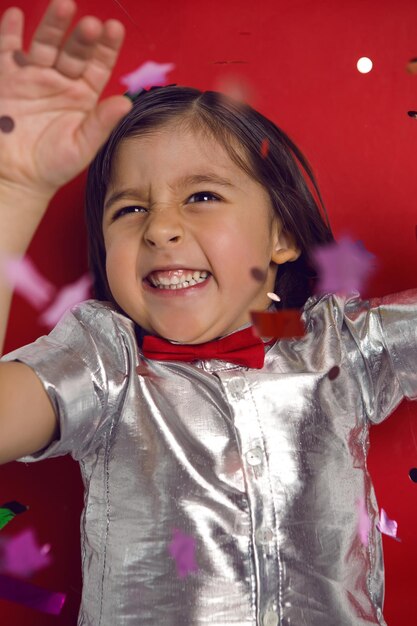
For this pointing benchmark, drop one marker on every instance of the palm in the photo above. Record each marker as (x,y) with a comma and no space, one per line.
(53,100)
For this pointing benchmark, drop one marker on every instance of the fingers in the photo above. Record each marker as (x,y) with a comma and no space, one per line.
(50,33)
(11,30)
(99,123)
(72,59)
(104,58)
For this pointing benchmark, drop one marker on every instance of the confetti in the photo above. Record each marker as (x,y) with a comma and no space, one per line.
(278,324)
(234,86)
(30,595)
(20,58)
(67,297)
(265,147)
(9,510)
(412,66)
(258,274)
(22,556)
(147,74)
(387,526)
(182,550)
(343,267)
(144,370)
(273,296)
(27,281)
(333,373)
(6,124)
(413,474)
(364,523)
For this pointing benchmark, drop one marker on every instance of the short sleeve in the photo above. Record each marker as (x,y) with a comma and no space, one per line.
(380,337)
(82,366)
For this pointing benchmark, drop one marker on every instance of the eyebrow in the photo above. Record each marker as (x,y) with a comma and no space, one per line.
(192,179)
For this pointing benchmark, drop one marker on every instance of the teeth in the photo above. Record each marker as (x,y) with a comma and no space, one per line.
(178,282)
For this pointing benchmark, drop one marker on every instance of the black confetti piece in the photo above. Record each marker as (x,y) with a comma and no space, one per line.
(6,124)
(15,507)
(334,372)
(413,474)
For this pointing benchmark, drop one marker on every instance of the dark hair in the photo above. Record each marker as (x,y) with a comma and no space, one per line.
(254,143)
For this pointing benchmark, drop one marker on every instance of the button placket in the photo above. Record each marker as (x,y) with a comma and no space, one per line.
(266,560)
(264,537)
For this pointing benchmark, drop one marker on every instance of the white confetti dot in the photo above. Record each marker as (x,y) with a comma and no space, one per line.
(364,65)
(273,296)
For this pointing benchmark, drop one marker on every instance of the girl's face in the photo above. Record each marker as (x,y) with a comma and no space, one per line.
(190,238)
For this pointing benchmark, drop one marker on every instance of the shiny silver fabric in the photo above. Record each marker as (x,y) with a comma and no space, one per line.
(265,468)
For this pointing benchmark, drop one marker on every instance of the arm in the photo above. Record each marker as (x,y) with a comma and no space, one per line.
(58,123)
(51,95)
(27,418)
(20,214)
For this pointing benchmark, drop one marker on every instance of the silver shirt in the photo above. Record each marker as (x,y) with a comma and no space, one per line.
(263,468)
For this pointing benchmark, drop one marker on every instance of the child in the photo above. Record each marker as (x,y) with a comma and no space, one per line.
(222,476)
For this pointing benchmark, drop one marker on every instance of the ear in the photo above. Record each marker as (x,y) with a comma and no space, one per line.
(285,248)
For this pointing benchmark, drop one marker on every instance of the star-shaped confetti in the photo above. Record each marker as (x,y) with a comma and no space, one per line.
(147,75)
(67,297)
(22,276)
(343,267)
(9,510)
(21,555)
(35,597)
(182,549)
(387,526)
(364,523)
(278,324)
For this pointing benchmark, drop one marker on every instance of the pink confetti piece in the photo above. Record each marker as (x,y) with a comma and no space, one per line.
(21,555)
(343,267)
(22,276)
(235,87)
(149,74)
(364,523)
(22,592)
(387,526)
(67,297)
(182,549)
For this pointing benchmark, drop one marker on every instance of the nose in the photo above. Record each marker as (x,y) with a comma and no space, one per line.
(164,228)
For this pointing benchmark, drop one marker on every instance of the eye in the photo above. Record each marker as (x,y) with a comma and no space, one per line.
(204,194)
(126,210)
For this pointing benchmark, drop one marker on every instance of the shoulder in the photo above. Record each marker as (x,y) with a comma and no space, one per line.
(95,329)
(99,316)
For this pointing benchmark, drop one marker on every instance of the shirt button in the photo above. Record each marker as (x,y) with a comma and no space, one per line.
(264,535)
(254,456)
(270,618)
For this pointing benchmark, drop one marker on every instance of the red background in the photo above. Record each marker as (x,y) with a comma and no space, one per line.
(298,60)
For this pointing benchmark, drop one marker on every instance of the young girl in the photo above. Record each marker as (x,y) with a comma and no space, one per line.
(223,475)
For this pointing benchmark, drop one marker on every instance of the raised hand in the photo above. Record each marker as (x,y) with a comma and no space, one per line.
(51,123)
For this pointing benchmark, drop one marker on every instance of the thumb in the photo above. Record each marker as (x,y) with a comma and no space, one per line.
(99,123)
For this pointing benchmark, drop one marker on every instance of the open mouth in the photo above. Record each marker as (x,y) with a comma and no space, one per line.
(176,279)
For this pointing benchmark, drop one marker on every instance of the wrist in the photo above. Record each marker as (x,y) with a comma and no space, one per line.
(11,192)
(21,210)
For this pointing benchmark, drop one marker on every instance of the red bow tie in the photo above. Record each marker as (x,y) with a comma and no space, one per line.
(241,348)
